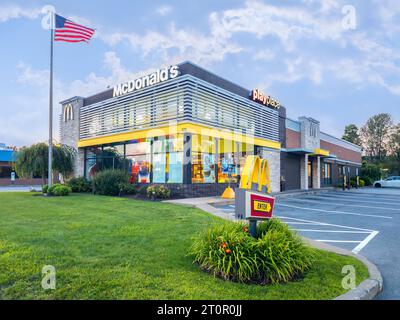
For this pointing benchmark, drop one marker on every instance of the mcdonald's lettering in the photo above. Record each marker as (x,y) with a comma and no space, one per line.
(256,175)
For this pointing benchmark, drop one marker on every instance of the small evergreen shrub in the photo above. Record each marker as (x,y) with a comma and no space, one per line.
(128,188)
(61,191)
(158,192)
(45,188)
(79,184)
(57,189)
(275,255)
(108,182)
(367,180)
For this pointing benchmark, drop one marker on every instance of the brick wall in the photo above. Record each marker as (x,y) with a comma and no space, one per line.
(341,153)
(292,139)
(20,182)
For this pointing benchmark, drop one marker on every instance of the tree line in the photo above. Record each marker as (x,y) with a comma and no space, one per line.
(379,138)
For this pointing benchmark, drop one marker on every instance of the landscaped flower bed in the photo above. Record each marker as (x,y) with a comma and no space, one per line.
(275,255)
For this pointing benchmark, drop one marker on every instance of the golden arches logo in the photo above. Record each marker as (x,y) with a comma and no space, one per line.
(256,171)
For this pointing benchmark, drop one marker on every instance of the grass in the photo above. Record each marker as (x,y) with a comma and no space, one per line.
(117,248)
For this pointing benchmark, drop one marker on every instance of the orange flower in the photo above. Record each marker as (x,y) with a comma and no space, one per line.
(224,245)
(227,251)
(245,229)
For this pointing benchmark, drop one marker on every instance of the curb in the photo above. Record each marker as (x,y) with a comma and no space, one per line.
(366,290)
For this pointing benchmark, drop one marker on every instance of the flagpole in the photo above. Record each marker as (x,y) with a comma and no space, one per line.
(50,171)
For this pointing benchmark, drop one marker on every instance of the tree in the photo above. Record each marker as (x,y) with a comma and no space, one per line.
(351,134)
(394,142)
(375,135)
(33,160)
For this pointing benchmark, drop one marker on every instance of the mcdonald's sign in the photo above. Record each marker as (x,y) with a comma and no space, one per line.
(252,200)
(256,174)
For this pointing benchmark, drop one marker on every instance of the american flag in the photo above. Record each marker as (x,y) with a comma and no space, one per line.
(68,31)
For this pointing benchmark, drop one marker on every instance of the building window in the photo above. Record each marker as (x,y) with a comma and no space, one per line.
(228,162)
(326,174)
(138,154)
(203,159)
(168,159)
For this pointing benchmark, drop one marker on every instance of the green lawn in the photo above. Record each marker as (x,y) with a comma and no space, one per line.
(117,248)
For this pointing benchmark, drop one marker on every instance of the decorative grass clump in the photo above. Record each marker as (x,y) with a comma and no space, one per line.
(275,255)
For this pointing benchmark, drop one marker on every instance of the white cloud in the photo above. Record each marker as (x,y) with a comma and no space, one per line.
(264,55)
(14,12)
(31,108)
(164,10)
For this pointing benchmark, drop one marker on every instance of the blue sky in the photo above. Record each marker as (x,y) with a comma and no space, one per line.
(310,54)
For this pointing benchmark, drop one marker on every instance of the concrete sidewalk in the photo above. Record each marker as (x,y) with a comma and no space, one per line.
(20,188)
(204,204)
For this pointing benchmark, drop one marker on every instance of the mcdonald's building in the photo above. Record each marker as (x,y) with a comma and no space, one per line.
(190,129)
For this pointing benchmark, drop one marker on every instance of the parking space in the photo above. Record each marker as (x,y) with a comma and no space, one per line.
(365,221)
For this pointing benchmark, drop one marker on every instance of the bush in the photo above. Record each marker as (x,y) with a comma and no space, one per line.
(275,255)
(367,180)
(79,184)
(56,190)
(370,170)
(142,190)
(362,183)
(128,188)
(108,182)
(61,191)
(158,192)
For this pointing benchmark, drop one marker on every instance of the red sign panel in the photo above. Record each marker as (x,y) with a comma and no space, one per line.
(261,207)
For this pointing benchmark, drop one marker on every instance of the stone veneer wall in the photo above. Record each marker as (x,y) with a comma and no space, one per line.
(274,161)
(69,134)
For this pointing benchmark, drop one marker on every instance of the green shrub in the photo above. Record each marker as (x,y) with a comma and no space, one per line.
(45,188)
(108,182)
(143,190)
(158,192)
(61,191)
(275,255)
(50,190)
(368,181)
(56,190)
(362,183)
(371,170)
(79,184)
(128,188)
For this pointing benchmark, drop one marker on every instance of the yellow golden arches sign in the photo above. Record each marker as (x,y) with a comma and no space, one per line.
(256,171)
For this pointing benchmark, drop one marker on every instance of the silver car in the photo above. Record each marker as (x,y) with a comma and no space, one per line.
(392,182)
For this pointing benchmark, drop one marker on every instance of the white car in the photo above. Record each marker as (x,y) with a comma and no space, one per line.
(393,182)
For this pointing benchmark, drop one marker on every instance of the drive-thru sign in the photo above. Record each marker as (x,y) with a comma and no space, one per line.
(259,205)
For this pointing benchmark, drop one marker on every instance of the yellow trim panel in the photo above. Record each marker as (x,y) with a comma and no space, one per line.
(180,128)
(321,152)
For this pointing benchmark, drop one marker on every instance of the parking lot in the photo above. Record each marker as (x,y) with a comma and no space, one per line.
(365,221)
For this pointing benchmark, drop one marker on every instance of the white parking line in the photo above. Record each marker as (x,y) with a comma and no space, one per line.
(351,199)
(309,223)
(365,242)
(324,223)
(333,211)
(333,231)
(344,241)
(356,250)
(366,195)
(349,205)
